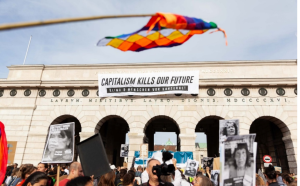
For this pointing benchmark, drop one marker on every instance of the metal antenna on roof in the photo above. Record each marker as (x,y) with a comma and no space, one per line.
(27,50)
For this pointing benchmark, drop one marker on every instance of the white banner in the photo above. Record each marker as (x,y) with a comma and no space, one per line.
(184,82)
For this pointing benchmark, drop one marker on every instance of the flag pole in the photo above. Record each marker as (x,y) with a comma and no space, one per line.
(27,50)
(66,20)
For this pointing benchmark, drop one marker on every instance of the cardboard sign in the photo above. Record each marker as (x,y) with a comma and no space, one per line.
(216,164)
(124,150)
(278,169)
(191,168)
(236,150)
(228,128)
(59,147)
(181,82)
(11,147)
(144,151)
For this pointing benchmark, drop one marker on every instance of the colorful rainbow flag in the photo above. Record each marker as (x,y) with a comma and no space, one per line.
(162,30)
(3,152)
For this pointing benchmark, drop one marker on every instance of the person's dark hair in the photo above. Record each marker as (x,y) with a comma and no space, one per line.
(26,169)
(225,129)
(131,172)
(287,178)
(278,173)
(140,168)
(128,178)
(45,165)
(35,178)
(270,172)
(133,169)
(122,173)
(15,172)
(239,147)
(107,179)
(16,164)
(79,181)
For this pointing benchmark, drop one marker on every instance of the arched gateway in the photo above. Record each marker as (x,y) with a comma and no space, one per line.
(261,94)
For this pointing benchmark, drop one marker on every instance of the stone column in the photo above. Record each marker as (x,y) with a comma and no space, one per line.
(187,142)
(135,140)
(291,152)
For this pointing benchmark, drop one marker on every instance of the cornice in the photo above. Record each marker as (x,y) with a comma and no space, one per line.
(157,65)
(284,81)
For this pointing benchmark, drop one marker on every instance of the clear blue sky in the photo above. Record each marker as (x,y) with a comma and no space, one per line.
(257,30)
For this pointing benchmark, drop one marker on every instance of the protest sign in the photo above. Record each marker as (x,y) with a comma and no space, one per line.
(182,82)
(238,160)
(228,128)
(278,169)
(191,168)
(216,164)
(208,162)
(124,150)
(215,174)
(59,147)
(93,156)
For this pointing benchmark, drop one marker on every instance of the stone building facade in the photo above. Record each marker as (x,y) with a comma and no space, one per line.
(261,94)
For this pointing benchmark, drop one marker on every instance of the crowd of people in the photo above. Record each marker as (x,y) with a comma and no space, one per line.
(72,175)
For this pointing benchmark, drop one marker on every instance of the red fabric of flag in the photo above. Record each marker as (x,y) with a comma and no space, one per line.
(3,152)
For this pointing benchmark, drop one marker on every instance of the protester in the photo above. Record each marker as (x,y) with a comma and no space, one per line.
(14,176)
(8,172)
(207,172)
(128,179)
(145,176)
(108,179)
(153,179)
(81,181)
(119,180)
(270,175)
(259,181)
(287,179)
(36,179)
(184,181)
(26,170)
(43,167)
(294,183)
(66,170)
(139,171)
(279,178)
(118,169)
(75,171)
(202,181)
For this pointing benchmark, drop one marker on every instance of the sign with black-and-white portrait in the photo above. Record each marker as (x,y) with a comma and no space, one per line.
(191,168)
(215,177)
(59,147)
(124,150)
(228,128)
(238,160)
(208,162)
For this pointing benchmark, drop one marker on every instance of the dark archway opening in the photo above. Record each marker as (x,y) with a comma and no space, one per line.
(210,126)
(162,124)
(113,134)
(269,142)
(69,119)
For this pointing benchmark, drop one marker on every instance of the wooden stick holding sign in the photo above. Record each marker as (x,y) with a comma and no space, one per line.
(57,174)
(144,152)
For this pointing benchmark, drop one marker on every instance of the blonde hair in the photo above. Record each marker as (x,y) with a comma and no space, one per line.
(259,181)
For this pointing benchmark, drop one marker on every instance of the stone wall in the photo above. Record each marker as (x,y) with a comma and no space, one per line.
(27,118)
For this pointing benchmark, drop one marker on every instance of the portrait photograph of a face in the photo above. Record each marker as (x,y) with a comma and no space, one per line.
(191,168)
(228,128)
(208,162)
(124,150)
(215,177)
(59,147)
(239,160)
